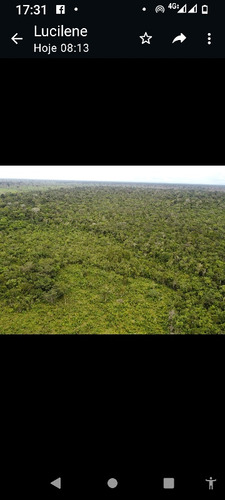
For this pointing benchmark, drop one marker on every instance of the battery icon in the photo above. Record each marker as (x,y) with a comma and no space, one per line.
(205,9)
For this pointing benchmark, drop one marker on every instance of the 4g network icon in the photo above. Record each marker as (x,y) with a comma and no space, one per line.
(60,9)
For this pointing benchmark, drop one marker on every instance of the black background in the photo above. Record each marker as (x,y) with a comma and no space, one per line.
(88,408)
(112,112)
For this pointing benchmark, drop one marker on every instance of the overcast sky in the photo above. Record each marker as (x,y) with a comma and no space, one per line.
(190,175)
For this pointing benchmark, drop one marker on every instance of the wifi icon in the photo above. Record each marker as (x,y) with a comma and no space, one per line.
(160,8)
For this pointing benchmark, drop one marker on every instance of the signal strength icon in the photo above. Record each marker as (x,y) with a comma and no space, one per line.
(194,9)
(183,10)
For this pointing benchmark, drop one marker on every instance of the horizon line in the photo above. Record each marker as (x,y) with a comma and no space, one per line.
(109,181)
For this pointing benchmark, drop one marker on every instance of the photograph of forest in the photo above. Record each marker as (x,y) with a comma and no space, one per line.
(111,258)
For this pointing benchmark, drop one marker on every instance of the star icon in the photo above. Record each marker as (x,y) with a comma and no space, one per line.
(145,38)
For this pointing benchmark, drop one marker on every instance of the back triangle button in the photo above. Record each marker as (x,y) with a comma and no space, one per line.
(57,483)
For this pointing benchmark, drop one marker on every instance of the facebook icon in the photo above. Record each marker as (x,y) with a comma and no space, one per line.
(60,9)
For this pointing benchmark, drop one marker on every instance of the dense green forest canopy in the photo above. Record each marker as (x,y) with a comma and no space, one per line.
(111,258)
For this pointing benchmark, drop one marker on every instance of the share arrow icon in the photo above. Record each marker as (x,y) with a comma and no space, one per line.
(180,38)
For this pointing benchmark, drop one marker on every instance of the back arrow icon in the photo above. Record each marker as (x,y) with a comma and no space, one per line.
(179,38)
(15,38)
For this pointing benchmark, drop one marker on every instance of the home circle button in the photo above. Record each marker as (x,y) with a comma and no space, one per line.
(112,483)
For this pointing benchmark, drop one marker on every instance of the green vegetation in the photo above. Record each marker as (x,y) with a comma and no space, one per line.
(97,258)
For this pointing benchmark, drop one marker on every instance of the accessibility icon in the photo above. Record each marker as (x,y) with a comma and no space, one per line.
(211,482)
